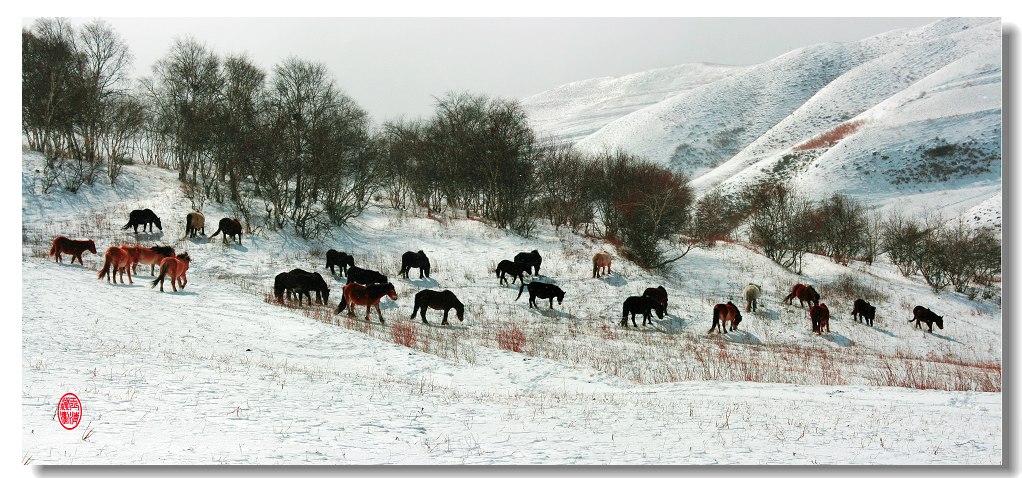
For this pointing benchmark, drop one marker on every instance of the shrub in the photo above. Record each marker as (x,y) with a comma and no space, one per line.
(404,334)
(510,337)
(831,136)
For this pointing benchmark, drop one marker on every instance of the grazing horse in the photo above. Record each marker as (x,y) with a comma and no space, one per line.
(724,314)
(863,310)
(414,259)
(543,291)
(601,263)
(751,295)
(175,267)
(659,294)
(70,246)
(529,260)
(641,305)
(117,259)
(364,276)
(147,255)
(820,315)
(300,283)
(143,217)
(804,293)
(431,299)
(194,222)
(515,269)
(339,259)
(922,314)
(230,227)
(358,294)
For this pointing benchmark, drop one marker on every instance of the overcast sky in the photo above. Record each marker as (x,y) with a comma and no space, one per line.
(394,66)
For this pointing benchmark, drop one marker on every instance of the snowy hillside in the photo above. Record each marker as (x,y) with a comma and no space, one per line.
(219,373)
(573,111)
(926,102)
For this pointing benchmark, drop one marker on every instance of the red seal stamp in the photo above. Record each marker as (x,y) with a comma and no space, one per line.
(69,411)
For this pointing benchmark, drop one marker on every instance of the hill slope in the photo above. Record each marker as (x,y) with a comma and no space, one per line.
(219,373)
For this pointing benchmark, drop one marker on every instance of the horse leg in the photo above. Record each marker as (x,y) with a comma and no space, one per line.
(129,276)
(184,280)
(551,302)
(445,317)
(378,312)
(173,282)
(754,304)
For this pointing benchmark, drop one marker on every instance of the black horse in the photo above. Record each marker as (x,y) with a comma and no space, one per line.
(516,270)
(339,259)
(143,217)
(543,291)
(658,294)
(230,227)
(641,305)
(300,283)
(921,314)
(529,260)
(863,310)
(414,259)
(431,299)
(364,276)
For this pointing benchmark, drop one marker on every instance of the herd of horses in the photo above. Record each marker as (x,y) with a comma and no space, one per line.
(367,288)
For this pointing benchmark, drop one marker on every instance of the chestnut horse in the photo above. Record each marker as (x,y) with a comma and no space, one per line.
(117,259)
(751,295)
(175,267)
(804,293)
(820,315)
(722,315)
(357,294)
(147,255)
(70,246)
(601,261)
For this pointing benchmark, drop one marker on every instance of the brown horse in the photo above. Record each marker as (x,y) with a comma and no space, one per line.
(70,246)
(147,255)
(601,261)
(357,294)
(804,293)
(117,259)
(722,315)
(175,267)
(194,222)
(820,315)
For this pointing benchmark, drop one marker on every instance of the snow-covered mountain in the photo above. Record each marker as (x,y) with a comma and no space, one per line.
(925,103)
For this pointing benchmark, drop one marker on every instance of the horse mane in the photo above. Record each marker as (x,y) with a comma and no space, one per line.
(184,257)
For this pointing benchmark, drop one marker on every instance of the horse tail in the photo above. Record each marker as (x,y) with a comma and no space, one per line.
(344,303)
(520,289)
(106,267)
(126,226)
(596,267)
(53,248)
(163,273)
(211,236)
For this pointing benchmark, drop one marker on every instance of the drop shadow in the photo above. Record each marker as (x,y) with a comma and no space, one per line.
(878,329)
(545,311)
(949,339)
(424,283)
(438,325)
(670,323)
(149,236)
(614,280)
(179,292)
(837,339)
(237,247)
(742,337)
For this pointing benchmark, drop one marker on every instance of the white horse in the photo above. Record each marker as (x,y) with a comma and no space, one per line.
(751,294)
